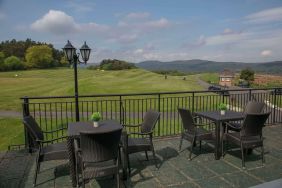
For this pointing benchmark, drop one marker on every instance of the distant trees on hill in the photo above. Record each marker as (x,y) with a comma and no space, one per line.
(170,72)
(18,55)
(113,64)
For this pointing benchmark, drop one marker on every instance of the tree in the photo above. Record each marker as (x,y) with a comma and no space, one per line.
(247,74)
(114,64)
(40,56)
(19,48)
(13,63)
(64,62)
(2,58)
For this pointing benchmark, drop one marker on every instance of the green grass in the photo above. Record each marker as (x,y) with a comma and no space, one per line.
(58,82)
(11,132)
(210,77)
(52,82)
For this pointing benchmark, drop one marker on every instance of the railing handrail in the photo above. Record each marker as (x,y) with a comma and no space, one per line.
(149,93)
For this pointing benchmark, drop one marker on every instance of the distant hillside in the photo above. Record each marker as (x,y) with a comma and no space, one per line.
(197,65)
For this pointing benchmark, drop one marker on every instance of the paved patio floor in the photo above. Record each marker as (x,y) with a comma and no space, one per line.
(175,170)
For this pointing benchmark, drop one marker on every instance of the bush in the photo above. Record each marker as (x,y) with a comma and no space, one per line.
(2,58)
(247,74)
(170,72)
(114,64)
(39,57)
(13,63)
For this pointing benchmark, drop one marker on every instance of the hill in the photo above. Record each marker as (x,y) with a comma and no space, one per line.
(197,65)
(54,82)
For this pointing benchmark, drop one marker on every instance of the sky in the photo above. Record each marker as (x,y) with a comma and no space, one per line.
(140,30)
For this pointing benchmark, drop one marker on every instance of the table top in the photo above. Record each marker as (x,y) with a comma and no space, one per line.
(75,128)
(216,116)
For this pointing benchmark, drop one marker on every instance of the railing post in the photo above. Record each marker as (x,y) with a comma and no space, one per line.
(222,94)
(250,94)
(26,113)
(274,107)
(193,101)
(159,109)
(120,111)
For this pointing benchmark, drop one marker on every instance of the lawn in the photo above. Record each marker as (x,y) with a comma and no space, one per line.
(210,77)
(60,82)
(57,82)
(11,132)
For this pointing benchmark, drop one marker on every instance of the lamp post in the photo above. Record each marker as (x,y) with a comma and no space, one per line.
(73,58)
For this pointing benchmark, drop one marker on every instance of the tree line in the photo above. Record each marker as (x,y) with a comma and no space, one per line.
(29,54)
(113,64)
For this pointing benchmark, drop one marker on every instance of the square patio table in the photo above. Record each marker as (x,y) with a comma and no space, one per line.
(74,130)
(219,119)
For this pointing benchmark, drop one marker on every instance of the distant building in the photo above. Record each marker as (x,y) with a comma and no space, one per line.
(226,78)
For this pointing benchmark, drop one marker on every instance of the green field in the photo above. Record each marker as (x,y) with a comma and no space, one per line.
(60,82)
(11,132)
(210,77)
(57,82)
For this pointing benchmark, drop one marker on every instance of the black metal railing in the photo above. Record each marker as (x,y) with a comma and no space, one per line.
(54,113)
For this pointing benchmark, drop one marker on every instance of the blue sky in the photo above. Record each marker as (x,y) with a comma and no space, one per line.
(138,30)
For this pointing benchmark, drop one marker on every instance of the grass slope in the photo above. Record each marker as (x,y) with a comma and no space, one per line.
(60,82)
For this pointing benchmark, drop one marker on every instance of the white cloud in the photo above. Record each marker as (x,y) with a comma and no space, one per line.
(126,30)
(264,16)
(156,24)
(56,22)
(226,39)
(266,53)
(79,7)
(137,15)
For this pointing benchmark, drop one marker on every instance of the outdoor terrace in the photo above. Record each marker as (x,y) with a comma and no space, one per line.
(175,170)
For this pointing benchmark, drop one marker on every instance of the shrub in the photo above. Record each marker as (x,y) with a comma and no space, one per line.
(114,64)
(39,57)
(13,63)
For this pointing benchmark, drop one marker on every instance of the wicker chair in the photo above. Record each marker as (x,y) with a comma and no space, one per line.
(145,142)
(192,131)
(98,155)
(252,107)
(249,136)
(57,151)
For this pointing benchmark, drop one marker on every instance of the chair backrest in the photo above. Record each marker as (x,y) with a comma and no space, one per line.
(254,107)
(187,119)
(253,124)
(98,147)
(33,128)
(149,121)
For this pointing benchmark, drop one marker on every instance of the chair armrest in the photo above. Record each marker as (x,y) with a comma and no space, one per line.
(227,124)
(76,147)
(48,141)
(198,117)
(56,130)
(202,125)
(137,125)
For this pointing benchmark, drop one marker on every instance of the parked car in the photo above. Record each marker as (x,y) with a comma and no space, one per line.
(219,90)
(276,91)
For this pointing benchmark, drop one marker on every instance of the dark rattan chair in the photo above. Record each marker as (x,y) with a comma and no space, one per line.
(54,151)
(192,131)
(145,141)
(249,136)
(252,107)
(98,155)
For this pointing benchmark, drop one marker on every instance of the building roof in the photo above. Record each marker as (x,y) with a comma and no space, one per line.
(226,73)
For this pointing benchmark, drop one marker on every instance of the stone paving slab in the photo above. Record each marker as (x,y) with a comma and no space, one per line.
(174,169)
